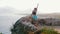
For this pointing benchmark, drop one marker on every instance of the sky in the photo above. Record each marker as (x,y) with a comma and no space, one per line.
(45,6)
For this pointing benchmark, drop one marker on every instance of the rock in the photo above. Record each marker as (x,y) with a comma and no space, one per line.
(22,26)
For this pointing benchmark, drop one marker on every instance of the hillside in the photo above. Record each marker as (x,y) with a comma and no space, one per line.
(53,15)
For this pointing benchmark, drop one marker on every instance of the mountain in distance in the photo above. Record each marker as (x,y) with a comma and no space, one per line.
(51,15)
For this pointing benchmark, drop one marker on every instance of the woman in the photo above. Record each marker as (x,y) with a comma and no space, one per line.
(34,17)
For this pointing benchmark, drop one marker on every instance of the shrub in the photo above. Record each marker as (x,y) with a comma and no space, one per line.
(0,33)
(46,31)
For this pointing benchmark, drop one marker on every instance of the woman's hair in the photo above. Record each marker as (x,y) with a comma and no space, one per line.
(34,13)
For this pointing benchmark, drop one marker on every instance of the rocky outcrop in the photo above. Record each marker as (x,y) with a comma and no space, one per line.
(24,25)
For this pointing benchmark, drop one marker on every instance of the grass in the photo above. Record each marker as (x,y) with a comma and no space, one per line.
(47,31)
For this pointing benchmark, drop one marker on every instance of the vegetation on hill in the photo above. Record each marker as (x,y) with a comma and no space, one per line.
(0,33)
(48,31)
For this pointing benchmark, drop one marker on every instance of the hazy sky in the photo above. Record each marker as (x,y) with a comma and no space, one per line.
(45,6)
